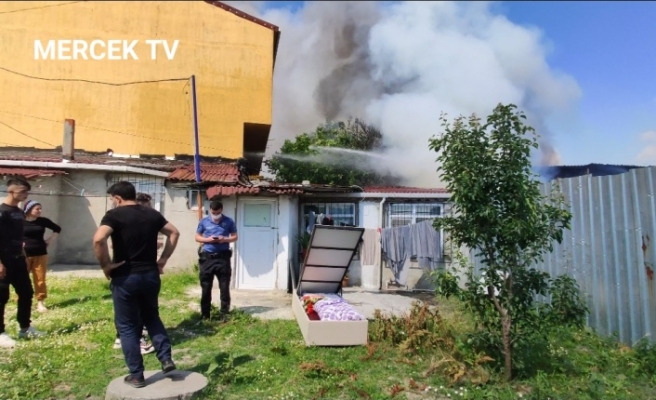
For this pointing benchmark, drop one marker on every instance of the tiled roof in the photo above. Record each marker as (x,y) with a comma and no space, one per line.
(209,172)
(225,190)
(401,189)
(81,157)
(276,188)
(29,173)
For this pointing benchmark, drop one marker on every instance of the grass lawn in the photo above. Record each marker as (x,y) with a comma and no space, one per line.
(253,359)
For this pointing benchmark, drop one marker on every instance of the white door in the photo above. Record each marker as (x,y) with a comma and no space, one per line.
(257,245)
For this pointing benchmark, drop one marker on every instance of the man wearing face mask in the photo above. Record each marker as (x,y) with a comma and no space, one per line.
(215,232)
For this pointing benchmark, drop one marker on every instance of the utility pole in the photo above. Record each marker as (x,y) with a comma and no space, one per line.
(196,146)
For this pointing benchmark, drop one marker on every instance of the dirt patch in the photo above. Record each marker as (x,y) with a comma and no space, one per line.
(188,360)
(177,351)
(172,303)
(62,387)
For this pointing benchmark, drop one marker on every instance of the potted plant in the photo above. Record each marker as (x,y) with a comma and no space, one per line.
(303,242)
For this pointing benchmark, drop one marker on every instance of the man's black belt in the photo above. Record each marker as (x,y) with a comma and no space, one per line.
(12,255)
(220,254)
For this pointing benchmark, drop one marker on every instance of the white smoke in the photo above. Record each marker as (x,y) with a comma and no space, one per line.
(647,156)
(399,65)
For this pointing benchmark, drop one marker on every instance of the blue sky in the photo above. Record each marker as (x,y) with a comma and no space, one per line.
(609,48)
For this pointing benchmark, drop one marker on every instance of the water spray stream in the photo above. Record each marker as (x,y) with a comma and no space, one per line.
(344,151)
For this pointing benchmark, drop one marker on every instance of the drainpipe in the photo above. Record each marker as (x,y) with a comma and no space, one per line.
(381,216)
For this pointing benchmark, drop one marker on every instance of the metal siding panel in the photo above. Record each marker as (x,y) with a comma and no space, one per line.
(640,208)
(650,252)
(630,257)
(594,298)
(613,217)
(585,281)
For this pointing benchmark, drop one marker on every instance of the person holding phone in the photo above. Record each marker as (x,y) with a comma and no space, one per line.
(215,232)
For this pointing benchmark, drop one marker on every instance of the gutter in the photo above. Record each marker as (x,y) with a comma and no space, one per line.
(387,195)
(381,216)
(88,167)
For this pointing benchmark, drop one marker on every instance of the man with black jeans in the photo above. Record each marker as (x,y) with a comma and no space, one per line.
(13,267)
(135,275)
(215,232)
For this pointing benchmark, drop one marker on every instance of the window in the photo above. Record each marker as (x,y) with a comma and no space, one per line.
(192,199)
(145,184)
(342,213)
(401,214)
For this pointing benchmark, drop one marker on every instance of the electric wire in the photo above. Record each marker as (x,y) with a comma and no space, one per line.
(25,134)
(40,7)
(89,81)
(104,129)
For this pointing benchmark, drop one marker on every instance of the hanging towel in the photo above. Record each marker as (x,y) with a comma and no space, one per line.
(426,244)
(396,245)
(370,251)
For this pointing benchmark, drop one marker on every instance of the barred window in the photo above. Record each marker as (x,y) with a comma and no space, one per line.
(342,213)
(401,214)
(150,185)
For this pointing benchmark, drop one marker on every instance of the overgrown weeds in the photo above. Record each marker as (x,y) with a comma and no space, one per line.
(250,358)
(422,328)
(568,362)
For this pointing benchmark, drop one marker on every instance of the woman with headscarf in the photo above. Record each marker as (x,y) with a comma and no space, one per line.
(36,248)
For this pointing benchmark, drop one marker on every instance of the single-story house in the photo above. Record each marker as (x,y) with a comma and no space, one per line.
(269,216)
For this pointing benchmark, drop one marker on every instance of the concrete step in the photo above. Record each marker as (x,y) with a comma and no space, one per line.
(176,385)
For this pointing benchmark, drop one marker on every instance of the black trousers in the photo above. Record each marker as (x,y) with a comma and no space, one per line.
(210,266)
(18,277)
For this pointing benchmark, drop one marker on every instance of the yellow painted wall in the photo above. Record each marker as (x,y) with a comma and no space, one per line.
(231,57)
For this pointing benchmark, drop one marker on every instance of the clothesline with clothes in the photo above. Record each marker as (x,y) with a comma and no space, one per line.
(420,241)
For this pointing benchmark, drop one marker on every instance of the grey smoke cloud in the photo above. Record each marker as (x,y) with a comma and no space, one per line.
(399,65)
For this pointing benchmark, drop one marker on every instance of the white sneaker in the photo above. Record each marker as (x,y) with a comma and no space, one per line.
(41,307)
(146,348)
(117,344)
(30,333)
(6,341)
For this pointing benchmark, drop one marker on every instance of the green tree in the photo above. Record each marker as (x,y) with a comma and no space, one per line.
(500,213)
(304,159)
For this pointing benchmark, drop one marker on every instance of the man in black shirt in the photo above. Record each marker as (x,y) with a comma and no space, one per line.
(13,268)
(135,275)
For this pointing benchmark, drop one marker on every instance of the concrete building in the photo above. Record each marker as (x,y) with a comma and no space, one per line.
(136,106)
(269,216)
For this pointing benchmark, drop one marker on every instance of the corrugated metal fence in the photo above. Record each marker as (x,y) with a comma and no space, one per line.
(611,250)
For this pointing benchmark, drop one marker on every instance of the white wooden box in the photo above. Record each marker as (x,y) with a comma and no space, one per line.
(329,333)
(327,260)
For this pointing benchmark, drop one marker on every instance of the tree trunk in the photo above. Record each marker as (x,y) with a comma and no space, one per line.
(507,352)
(506,323)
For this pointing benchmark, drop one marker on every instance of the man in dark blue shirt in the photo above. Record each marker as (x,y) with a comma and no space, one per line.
(215,232)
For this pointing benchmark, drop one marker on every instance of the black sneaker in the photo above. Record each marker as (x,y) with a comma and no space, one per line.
(135,381)
(168,366)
